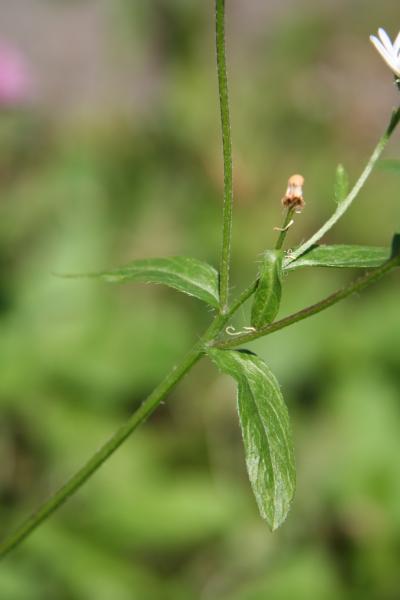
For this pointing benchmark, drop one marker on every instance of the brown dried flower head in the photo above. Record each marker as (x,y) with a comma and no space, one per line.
(294,193)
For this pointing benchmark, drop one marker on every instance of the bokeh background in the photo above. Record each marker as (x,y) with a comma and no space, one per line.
(109,151)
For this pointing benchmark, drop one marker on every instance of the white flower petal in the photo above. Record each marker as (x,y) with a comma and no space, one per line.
(396,44)
(389,55)
(377,43)
(386,55)
(385,39)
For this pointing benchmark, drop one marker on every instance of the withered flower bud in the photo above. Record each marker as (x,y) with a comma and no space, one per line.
(294,193)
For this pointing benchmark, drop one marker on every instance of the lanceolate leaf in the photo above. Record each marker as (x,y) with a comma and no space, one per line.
(187,275)
(267,297)
(341,184)
(342,256)
(264,421)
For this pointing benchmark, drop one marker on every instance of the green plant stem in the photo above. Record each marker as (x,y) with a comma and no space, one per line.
(227,155)
(209,337)
(356,286)
(347,202)
(140,415)
(161,391)
(73,484)
(170,381)
(284,228)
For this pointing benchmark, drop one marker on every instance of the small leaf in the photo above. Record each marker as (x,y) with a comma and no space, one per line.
(264,422)
(341,184)
(187,275)
(267,297)
(341,256)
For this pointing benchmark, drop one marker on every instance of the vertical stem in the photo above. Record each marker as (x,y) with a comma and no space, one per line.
(284,229)
(227,154)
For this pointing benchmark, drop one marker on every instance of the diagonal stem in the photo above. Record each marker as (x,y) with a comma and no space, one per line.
(347,202)
(73,484)
(354,287)
(163,389)
(117,439)
(170,381)
(227,155)
(155,398)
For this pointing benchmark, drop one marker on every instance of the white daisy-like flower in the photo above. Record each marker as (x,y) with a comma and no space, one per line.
(390,51)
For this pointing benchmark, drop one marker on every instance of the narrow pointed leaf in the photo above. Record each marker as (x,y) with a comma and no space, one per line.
(264,422)
(341,184)
(267,297)
(342,256)
(187,275)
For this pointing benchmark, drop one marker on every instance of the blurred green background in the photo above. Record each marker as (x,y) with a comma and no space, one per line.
(113,153)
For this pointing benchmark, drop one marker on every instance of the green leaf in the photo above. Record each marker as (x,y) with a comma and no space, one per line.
(187,275)
(267,297)
(264,421)
(341,188)
(342,256)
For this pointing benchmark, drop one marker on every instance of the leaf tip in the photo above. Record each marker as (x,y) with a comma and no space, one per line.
(279,520)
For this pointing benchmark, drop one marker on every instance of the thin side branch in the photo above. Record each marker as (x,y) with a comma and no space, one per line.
(347,202)
(314,309)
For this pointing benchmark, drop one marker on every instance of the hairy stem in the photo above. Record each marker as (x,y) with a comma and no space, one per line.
(354,287)
(140,415)
(73,484)
(284,228)
(163,389)
(160,392)
(155,398)
(347,202)
(209,338)
(227,155)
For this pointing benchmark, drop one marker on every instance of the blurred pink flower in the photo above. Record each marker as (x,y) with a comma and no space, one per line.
(15,80)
